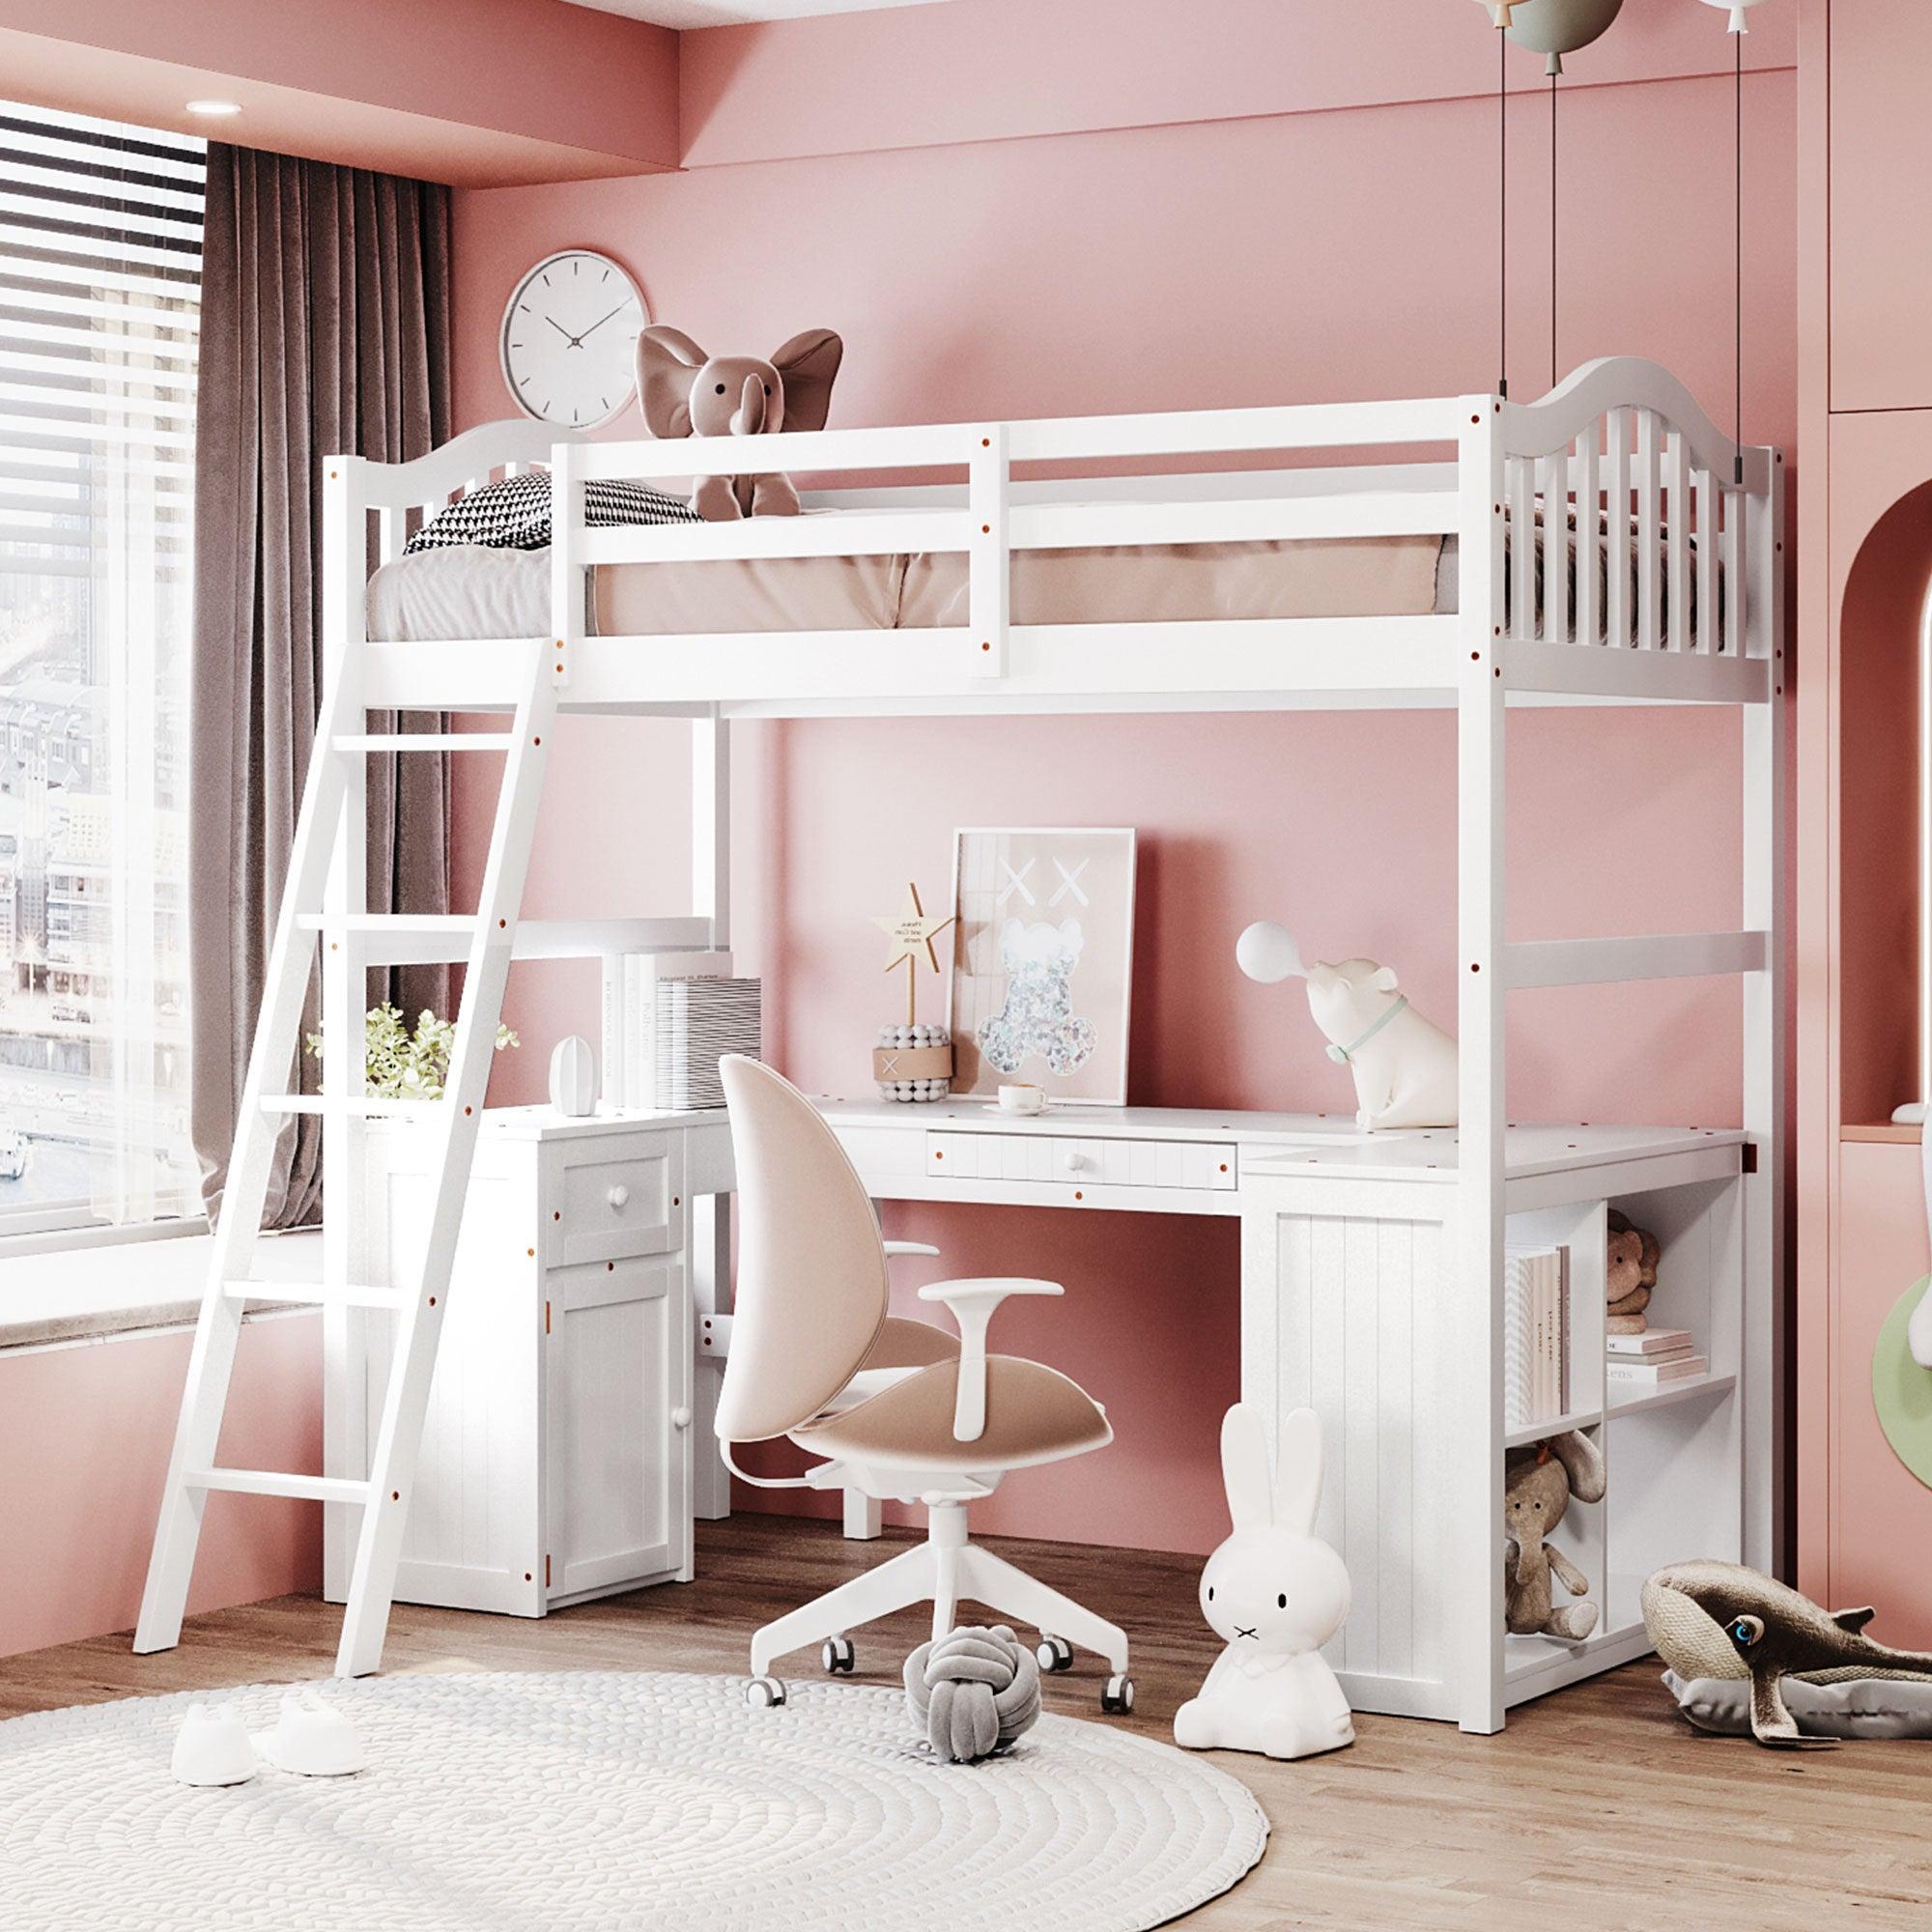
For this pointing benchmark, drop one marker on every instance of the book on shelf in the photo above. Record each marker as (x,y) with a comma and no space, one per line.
(1656,1373)
(1536,1352)
(699,1021)
(1652,1341)
(628,1061)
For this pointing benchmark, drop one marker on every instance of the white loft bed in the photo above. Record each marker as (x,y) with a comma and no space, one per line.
(1620,440)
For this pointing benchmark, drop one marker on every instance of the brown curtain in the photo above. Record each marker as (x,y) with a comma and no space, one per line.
(325,329)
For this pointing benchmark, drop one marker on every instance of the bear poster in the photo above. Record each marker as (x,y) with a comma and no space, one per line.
(1043,961)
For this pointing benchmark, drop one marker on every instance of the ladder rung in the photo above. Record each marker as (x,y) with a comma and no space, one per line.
(370,1106)
(320,1295)
(403,939)
(279,1482)
(424,741)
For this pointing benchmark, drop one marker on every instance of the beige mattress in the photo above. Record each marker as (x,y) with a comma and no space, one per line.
(466,590)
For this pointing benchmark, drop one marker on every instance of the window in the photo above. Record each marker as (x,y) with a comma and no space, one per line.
(100,291)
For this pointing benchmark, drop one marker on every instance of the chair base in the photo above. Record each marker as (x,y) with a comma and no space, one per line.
(943,1568)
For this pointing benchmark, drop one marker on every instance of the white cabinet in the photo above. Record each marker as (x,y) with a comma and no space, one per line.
(557,1457)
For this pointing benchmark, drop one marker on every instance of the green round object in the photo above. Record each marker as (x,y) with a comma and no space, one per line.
(1902,1390)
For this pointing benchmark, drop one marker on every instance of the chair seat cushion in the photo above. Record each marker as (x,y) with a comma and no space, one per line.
(1034,1414)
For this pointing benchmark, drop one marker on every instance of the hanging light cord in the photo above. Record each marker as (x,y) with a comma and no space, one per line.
(1552,231)
(1502,217)
(1738,257)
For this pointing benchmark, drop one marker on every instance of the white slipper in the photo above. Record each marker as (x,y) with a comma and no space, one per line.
(311,1739)
(212,1747)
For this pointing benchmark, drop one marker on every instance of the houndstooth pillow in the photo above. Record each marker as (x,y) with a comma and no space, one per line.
(513,513)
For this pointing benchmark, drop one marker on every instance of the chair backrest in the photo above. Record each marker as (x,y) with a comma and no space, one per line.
(811,1271)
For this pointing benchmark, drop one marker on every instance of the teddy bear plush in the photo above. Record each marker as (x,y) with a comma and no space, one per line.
(1633,1254)
(1538,1482)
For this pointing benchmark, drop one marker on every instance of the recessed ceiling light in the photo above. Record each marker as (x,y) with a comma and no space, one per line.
(215,107)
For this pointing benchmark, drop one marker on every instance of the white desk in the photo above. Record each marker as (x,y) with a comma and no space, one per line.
(1347,1285)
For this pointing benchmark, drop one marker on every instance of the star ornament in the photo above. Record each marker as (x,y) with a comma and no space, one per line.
(912,932)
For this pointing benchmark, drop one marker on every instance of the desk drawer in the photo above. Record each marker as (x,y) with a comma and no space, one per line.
(613,1198)
(1203,1165)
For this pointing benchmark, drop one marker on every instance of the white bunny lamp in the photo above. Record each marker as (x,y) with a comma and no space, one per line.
(1275,1595)
(1403,1065)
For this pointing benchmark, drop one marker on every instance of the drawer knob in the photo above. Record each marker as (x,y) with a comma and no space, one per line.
(1075,1161)
(618,1195)
(680,1418)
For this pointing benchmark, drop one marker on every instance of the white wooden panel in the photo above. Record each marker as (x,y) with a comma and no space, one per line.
(1677,544)
(1589,538)
(617,1363)
(1353,1328)
(1175,1166)
(1649,485)
(1737,584)
(1617,528)
(1522,549)
(1552,485)
(1709,548)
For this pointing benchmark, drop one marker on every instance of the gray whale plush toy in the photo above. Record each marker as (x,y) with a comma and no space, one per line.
(1722,1620)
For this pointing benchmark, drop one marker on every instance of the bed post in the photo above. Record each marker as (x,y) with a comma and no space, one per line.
(1476,1434)
(1766,1542)
(344,998)
(710,1229)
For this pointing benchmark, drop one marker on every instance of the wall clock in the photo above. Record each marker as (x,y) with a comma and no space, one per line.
(570,339)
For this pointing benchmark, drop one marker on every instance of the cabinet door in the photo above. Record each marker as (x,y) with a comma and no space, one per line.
(618,1424)
(1881,205)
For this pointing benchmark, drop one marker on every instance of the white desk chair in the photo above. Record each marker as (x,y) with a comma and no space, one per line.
(898,1408)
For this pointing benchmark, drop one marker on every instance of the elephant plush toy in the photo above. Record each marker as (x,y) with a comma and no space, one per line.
(1538,1483)
(686,392)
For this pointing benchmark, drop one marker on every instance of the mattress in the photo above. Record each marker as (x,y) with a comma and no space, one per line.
(466,590)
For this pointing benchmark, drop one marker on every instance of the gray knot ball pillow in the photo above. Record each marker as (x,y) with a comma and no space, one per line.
(972,1691)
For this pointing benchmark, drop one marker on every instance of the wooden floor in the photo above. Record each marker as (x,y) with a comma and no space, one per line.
(1597,1809)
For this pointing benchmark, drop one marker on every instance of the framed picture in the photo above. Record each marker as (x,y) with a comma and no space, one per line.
(1042,960)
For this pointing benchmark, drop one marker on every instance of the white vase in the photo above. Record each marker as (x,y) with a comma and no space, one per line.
(573,1077)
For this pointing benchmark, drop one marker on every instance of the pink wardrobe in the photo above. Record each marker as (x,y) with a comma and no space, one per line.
(1864,1523)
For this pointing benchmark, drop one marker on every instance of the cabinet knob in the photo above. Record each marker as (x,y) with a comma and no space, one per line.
(1075,1161)
(680,1418)
(618,1195)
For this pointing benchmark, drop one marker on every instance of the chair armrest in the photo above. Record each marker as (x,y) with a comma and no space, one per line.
(895,1249)
(972,1303)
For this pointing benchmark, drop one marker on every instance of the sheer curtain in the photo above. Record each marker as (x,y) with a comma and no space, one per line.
(325,329)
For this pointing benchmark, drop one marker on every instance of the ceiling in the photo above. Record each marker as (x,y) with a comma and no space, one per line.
(682,14)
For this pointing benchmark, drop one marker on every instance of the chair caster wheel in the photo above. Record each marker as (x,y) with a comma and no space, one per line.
(837,1655)
(1054,1653)
(765,1693)
(1117,1698)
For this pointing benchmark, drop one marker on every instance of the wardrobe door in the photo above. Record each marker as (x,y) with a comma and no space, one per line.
(1881,205)
(1881,1513)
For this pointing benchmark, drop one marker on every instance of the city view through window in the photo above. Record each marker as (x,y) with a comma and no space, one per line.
(100,286)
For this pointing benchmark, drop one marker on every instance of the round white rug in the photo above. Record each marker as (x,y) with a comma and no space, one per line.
(554,1802)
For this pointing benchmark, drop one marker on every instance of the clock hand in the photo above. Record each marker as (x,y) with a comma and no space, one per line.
(603,319)
(576,342)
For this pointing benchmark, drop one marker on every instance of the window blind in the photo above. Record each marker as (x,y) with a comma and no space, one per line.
(100,234)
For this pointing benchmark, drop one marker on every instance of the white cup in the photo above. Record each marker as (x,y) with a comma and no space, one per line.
(1022,1097)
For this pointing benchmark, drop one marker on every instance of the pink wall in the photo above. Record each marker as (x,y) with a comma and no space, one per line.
(85,1431)
(1276,258)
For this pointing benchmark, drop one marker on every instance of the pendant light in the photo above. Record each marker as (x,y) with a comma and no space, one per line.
(1736,9)
(1737,26)
(1559,27)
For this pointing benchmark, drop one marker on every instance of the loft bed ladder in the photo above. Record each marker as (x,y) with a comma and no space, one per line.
(326,878)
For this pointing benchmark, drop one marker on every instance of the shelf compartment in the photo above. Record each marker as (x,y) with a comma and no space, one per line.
(1690,1389)
(1538,1432)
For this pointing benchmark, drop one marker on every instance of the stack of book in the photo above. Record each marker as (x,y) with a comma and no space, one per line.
(1654,1359)
(667,1018)
(1536,1341)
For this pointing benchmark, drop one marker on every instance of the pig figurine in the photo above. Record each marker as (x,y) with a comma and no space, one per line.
(1403,1065)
